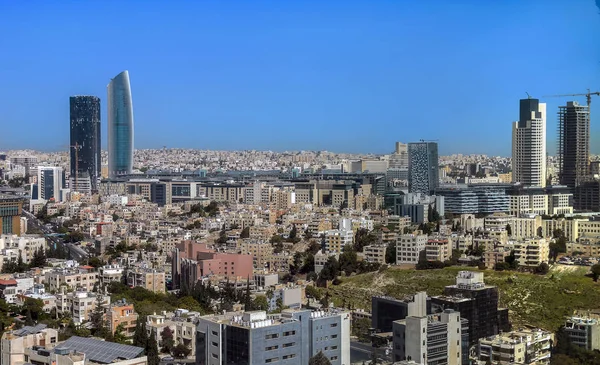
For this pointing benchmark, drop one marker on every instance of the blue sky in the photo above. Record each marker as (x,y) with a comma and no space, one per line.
(348,76)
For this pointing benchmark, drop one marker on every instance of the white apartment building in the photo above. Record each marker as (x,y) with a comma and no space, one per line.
(529,144)
(517,347)
(50,182)
(80,304)
(336,240)
(14,343)
(12,245)
(72,279)
(409,247)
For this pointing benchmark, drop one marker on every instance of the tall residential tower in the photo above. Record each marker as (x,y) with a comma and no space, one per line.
(573,143)
(423,166)
(86,159)
(120,126)
(529,144)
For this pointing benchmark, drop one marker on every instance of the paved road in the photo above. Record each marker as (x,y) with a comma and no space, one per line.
(360,351)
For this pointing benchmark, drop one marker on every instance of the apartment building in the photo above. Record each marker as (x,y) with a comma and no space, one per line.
(583,331)
(122,314)
(262,232)
(438,248)
(78,278)
(182,323)
(531,252)
(321,259)
(291,337)
(10,289)
(409,247)
(260,250)
(149,279)
(375,253)
(12,246)
(80,304)
(14,343)
(337,239)
(517,347)
(109,273)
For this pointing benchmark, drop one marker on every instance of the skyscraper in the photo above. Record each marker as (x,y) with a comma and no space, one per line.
(423,166)
(529,144)
(573,142)
(85,139)
(50,182)
(120,126)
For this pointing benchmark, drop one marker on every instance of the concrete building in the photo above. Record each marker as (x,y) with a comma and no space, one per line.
(80,304)
(438,248)
(182,323)
(77,278)
(431,339)
(385,310)
(149,279)
(337,239)
(529,144)
(375,253)
(409,247)
(531,252)
(474,199)
(10,289)
(583,332)
(290,338)
(573,148)
(15,343)
(109,273)
(122,314)
(51,180)
(517,347)
(11,209)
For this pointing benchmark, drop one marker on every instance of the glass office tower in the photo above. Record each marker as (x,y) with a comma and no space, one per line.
(120,126)
(85,138)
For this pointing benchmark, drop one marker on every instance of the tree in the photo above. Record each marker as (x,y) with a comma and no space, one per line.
(330,270)
(319,359)
(542,268)
(390,253)
(140,336)
(348,261)
(166,336)
(508,230)
(181,351)
(97,319)
(596,271)
(247,297)
(260,303)
(245,232)
(152,350)
(119,336)
(293,234)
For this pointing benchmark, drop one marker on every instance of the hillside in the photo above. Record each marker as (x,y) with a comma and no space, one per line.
(536,300)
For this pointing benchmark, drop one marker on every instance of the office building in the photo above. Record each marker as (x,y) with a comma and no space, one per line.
(587,196)
(474,199)
(399,159)
(527,347)
(386,310)
(476,302)
(423,167)
(120,126)
(440,338)
(529,144)
(85,148)
(10,215)
(573,143)
(583,332)
(51,180)
(254,338)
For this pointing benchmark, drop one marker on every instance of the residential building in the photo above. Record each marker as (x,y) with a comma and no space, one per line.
(14,343)
(80,304)
(531,252)
(51,180)
(38,292)
(517,347)
(573,143)
(149,279)
(11,209)
(122,314)
(375,253)
(431,339)
(476,302)
(583,331)
(409,247)
(77,278)
(182,324)
(423,167)
(88,351)
(438,248)
(85,148)
(257,338)
(321,258)
(337,239)
(120,126)
(109,273)
(529,144)
(10,289)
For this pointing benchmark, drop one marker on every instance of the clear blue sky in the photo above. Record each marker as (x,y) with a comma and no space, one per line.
(348,76)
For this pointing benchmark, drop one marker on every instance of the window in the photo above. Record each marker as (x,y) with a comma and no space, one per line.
(270,348)
(271,336)
(333,325)
(334,336)
(289,333)
(215,344)
(215,333)
(214,356)
(291,356)
(288,344)
(272,360)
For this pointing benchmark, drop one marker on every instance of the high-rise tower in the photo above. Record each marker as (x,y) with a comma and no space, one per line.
(573,143)
(86,160)
(423,167)
(120,126)
(529,144)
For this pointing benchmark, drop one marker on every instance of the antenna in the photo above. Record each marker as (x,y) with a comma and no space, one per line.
(528,96)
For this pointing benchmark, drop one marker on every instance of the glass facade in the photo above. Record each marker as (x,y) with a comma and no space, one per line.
(85,134)
(120,126)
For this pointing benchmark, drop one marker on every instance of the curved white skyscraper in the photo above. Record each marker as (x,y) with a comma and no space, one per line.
(120,126)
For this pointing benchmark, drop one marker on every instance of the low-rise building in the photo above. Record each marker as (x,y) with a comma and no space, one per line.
(583,332)
(122,314)
(109,273)
(531,252)
(517,347)
(438,249)
(409,247)
(182,324)
(337,239)
(375,253)
(77,278)
(14,343)
(80,304)
(149,279)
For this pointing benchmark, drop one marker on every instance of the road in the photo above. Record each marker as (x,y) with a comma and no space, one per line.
(77,253)
(360,351)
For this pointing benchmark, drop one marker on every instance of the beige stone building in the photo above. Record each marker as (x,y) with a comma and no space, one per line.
(531,252)
(150,279)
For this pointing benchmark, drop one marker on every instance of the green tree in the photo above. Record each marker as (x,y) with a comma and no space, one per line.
(245,232)
(247,297)
(508,230)
(166,337)
(260,303)
(119,336)
(152,350)
(293,233)
(319,359)
(181,351)
(140,336)
(596,272)
(390,253)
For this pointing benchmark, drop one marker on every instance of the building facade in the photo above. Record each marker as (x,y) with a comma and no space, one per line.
(86,157)
(120,126)
(529,144)
(573,143)
(423,167)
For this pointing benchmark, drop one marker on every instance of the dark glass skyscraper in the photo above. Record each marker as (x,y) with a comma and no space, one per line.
(120,126)
(85,134)
(573,143)
(423,174)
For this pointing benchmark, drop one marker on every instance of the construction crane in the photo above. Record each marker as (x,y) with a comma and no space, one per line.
(77,147)
(588,96)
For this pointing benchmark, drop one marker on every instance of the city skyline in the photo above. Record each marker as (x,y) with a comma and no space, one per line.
(319,71)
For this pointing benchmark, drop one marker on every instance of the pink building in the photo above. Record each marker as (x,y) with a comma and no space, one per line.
(193,260)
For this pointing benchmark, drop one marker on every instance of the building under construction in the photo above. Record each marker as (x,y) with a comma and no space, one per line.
(573,143)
